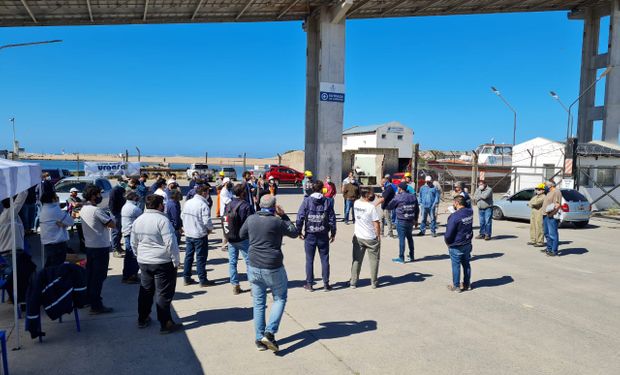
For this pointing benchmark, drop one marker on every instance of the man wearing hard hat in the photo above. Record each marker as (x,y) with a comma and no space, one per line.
(410,183)
(306,184)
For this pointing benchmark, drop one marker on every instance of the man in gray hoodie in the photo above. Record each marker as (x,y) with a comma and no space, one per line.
(484,200)
(265,230)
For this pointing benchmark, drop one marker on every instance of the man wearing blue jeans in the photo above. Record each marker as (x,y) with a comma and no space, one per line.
(265,230)
(458,236)
(236,213)
(197,223)
(406,207)
(551,206)
(429,199)
(484,200)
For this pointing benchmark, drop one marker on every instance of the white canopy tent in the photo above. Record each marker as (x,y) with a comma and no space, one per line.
(16,177)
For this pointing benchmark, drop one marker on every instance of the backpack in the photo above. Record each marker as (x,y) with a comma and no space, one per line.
(232,222)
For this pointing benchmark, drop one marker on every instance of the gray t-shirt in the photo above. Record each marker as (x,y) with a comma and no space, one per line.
(94,221)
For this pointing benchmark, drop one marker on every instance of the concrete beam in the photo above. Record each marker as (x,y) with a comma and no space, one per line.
(287,9)
(197,9)
(146,9)
(324,114)
(339,10)
(596,113)
(611,123)
(247,5)
(25,4)
(591,32)
(358,5)
(600,61)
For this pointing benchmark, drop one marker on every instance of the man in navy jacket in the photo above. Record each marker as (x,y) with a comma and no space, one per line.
(407,210)
(317,215)
(459,233)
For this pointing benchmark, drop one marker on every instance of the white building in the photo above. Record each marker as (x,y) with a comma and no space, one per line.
(390,135)
(536,161)
(541,159)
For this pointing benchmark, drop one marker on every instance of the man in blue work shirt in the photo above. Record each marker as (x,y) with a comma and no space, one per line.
(317,215)
(406,206)
(389,191)
(429,199)
(458,236)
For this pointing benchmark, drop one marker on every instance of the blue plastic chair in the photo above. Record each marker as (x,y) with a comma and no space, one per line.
(5,360)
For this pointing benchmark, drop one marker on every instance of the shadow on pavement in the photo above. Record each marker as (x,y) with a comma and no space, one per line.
(573,251)
(433,257)
(217,316)
(413,277)
(328,330)
(504,237)
(489,283)
(182,295)
(486,256)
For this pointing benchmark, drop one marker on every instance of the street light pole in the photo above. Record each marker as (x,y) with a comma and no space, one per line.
(555,96)
(570,107)
(514,128)
(12,119)
(29,44)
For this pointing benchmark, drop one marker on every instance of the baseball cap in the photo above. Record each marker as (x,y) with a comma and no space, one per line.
(428,178)
(226,180)
(403,185)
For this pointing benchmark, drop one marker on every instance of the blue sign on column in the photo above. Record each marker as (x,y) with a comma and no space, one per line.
(331,92)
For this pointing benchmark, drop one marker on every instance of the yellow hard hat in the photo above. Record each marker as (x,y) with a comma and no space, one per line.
(308,173)
(407,174)
(222,173)
(540,186)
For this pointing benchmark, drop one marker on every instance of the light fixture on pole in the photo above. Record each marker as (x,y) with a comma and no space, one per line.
(555,96)
(514,129)
(15,147)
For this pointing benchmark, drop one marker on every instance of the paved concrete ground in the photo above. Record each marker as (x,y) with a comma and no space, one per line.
(527,314)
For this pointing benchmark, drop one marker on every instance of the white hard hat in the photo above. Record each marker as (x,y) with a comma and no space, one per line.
(271,178)
(428,178)
(74,190)
(225,180)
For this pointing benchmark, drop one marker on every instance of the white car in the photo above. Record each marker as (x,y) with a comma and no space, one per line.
(202,170)
(64,186)
(575,207)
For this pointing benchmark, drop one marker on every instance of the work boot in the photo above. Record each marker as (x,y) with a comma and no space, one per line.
(118,254)
(133,279)
(487,238)
(207,283)
(190,282)
(479,237)
(455,289)
(308,288)
(144,323)
(270,341)
(170,327)
(237,290)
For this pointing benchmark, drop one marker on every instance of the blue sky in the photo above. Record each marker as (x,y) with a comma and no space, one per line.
(234,88)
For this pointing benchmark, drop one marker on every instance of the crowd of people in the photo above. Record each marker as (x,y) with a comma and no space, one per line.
(145,226)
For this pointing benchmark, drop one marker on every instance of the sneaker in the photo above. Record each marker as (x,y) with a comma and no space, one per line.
(531,243)
(118,254)
(465,287)
(237,290)
(398,260)
(540,245)
(410,259)
(190,282)
(434,234)
(327,288)
(308,287)
(487,238)
(133,279)
(102,310)
(270,341)
(420,234)
(479,237)
(170,327)
(260,346)
(455,289)
(374,285)
(551,254)
(352,286)
(204,284)
(145,323)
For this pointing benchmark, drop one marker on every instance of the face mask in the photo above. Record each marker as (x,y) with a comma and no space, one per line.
(430,183)
(481,186)
(99,200)
(48,178)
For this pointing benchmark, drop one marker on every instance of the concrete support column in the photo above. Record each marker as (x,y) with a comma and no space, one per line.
(611,124)
(325,30)
(591,32)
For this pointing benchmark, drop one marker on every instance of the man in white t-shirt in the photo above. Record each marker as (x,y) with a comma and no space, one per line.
(366,238)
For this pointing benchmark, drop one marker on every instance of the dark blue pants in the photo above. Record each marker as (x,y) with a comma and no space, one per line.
(200,247)
(97,261)
(160,279)
(405,232)
(55,254)
(130,263)
(314,241)
(116,233)
(28,213)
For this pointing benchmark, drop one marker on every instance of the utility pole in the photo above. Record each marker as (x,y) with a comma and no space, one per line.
(206,158)
(139,154)
(15,147)
(474,171)
(416,156)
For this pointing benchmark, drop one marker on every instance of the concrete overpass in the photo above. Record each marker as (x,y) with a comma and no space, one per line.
(324,23)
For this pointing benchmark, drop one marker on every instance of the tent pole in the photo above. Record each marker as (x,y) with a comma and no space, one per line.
(14,261)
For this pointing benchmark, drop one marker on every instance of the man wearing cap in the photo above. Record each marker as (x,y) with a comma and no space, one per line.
(551,206)
(484,200)
(266,269)
(224,197)
(536,217)
(115,204)
(197,224)
(407,209)
(429,199)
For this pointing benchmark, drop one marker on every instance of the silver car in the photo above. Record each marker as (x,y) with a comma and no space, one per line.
(575,207)
(63,187)
(230,173)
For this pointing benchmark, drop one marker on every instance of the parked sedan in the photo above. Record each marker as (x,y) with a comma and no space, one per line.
(64,186)
(285,175)
(575,207)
